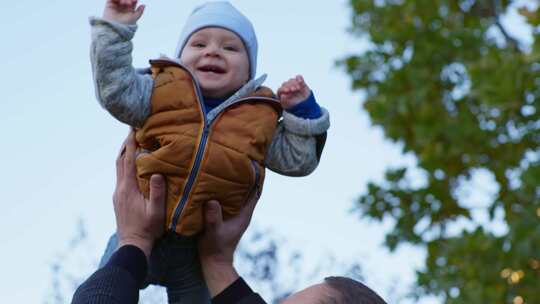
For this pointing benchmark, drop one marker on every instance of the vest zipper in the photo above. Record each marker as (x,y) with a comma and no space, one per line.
(197,163)
(191,179)
(200,152)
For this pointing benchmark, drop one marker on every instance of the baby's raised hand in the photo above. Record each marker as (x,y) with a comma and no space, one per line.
(293,92)
(123,11)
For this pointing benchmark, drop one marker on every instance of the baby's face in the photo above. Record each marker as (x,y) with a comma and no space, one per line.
(219,60)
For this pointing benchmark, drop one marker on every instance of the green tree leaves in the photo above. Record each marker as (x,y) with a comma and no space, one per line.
(446,80)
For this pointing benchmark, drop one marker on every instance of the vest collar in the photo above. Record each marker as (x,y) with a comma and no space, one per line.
(252,89)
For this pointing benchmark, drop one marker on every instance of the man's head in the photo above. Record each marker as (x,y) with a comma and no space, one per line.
(336,290)
(219,45)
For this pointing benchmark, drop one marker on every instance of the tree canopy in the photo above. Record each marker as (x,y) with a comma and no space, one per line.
(447,81)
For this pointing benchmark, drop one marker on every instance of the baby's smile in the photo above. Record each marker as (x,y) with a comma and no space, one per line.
(211,68)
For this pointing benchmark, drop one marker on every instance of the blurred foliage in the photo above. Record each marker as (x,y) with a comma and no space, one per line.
(446,80)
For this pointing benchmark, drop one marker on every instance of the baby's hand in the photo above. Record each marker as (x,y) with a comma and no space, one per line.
(123,11)
(293,92)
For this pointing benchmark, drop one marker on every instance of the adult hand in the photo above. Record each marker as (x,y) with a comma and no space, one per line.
(218,243)
(139,221)
(123,11)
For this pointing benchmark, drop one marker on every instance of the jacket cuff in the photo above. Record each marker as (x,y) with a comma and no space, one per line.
(306,127)
(126,31)
(308,108)
(131,259)
(234,293)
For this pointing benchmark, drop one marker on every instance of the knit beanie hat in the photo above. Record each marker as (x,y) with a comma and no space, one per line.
(221,14)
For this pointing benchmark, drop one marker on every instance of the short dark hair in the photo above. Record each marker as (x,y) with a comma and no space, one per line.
(349,291)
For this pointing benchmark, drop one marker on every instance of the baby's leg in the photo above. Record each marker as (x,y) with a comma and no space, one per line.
(112,245)
(155,267)
(183,277)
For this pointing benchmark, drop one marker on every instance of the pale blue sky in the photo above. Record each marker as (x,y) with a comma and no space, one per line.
(59,146)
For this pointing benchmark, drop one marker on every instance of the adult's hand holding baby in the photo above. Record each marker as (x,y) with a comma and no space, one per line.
(293,92)
(123,11)
(139,221)
(218,243)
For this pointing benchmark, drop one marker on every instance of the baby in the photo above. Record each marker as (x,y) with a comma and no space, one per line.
(203,121)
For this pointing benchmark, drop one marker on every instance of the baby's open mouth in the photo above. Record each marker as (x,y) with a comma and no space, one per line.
(212,68)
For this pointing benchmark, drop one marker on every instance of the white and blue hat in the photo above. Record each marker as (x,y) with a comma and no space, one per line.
(224,15)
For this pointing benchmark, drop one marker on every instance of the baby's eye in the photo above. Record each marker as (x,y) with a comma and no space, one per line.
(199,45)
(231,48)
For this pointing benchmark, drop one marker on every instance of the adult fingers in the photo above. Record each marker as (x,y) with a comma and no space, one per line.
(246,213)
(129,159)
(120,160)
(156,207)
(119,166)
(213,217)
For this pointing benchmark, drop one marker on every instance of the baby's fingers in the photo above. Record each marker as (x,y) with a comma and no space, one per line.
(285,91)
(283,86)
(300,80)
(290,84)
(139,11)
(121,3)
(128,4)
(294,85)
(284,96)
(114,3)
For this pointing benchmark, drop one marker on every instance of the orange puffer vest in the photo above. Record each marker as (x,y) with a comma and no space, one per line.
(203,160)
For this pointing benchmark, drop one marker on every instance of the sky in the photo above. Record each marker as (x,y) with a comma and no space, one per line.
(59,145)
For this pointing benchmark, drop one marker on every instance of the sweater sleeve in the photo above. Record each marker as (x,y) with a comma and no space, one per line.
(117,282)
(121,89)
(299,139)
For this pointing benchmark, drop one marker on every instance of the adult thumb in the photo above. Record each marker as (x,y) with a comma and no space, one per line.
(212,214)
(157,196)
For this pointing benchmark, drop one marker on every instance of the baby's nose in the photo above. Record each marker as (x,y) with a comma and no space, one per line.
(212,51)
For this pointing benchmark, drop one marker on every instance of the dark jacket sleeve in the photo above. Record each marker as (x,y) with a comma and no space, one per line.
(117,282)
(238,292)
